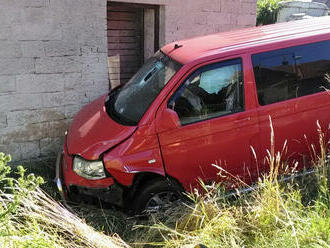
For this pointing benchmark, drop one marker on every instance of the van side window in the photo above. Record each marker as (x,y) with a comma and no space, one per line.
(211,91)
(292,72)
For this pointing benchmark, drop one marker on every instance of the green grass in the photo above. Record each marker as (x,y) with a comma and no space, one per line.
(275,214)
(31,218)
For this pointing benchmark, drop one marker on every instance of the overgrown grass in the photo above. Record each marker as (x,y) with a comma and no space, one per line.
(291,213)
(30,218)
(273,215)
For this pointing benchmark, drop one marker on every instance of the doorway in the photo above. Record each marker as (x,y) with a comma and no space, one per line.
(133,36)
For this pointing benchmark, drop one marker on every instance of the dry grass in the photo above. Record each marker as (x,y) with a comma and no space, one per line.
(30,218)
(272,215)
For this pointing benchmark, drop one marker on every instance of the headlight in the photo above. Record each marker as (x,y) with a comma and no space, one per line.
(92,170)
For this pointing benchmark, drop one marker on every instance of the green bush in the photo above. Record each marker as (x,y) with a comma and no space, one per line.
(267,11)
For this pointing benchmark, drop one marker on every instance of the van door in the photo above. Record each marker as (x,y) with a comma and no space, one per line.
(215,127)
(313,100)
(275,83)
(288,81)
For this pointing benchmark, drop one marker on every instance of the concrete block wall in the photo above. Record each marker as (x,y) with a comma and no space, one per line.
(208,16)
(188,18)
(53,56)
(326,2)
(297,10)
(53,60)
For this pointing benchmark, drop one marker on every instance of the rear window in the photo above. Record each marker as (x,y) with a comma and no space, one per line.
(292,72)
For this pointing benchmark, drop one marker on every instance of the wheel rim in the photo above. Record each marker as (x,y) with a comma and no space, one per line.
(162,200)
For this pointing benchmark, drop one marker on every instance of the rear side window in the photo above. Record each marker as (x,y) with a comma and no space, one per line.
(292,72)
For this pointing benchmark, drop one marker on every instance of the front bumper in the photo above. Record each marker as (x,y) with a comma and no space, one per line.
(69,183)
(59,177)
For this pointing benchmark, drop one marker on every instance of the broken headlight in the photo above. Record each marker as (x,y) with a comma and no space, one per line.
(92,170)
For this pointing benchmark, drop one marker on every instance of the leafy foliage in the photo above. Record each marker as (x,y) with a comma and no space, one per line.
(30,218)
(267,11)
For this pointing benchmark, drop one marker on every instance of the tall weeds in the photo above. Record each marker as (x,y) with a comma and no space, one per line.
(273,215)
(320,163)
(30,218)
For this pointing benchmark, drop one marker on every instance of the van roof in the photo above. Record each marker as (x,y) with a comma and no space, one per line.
(192,49)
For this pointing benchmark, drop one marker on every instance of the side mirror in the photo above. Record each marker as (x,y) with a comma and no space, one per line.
(167,120)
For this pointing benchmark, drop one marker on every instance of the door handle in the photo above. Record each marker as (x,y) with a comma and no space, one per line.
(242,120)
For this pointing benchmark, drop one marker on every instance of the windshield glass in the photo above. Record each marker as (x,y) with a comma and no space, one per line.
(128,103)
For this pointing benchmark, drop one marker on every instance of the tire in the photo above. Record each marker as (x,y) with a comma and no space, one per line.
(157,196)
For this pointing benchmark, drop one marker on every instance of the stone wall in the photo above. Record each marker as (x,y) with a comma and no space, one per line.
(326,2)
(53,56)
(53,60)
(298,10)
(188,18)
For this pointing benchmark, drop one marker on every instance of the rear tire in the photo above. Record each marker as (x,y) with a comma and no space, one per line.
(156,196)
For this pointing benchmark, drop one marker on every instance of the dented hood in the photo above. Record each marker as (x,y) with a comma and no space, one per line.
(92,131)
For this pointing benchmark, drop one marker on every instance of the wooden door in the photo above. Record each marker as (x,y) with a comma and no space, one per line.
(125,38)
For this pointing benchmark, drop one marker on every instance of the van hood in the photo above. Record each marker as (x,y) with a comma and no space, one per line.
(92,131)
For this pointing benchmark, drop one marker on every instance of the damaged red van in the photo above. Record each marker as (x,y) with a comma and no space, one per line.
(198,102)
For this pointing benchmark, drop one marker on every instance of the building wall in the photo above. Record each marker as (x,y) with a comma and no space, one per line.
(298,10)
(326,2)
(188,18)
(53,60)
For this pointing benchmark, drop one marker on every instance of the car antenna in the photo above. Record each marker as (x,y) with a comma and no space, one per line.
(176,46)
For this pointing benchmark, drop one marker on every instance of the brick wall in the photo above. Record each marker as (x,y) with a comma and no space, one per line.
(53,60)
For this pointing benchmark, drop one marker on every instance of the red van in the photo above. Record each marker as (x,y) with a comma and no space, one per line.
(197,102)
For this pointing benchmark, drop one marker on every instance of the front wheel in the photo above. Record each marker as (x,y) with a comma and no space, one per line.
(157,196)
